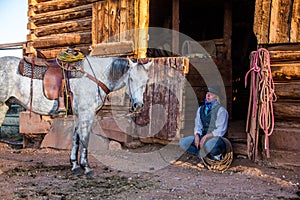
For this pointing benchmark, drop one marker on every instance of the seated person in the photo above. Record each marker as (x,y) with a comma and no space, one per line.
(210,124)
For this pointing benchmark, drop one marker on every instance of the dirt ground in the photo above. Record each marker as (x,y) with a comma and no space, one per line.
(45,174)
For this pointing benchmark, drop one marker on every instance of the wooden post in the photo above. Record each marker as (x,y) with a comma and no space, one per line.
(175,27)
(143,23)
(227,28)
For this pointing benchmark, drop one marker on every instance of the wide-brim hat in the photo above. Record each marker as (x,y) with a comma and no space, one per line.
(215,89)
(216,153)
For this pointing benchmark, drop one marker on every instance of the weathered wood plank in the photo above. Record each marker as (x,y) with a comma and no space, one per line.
(175,27)
(227,32)
(113,20)
(295,24)
(279,22)
(95,23)
(286,71)
(283,158)
(65,39)
(80,25)
(53,52)
(285,110)
(123,19)
(284,55)
(285,138)
(61,15)
(143,23)
(289,90)
(285,47)
(261,21)
(54,5)
(113,48)
(100,26)
(103,18)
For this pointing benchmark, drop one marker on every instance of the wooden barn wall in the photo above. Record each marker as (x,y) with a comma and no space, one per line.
(277,21)
(54,24)
(162,118)
(277,28)
(163,112)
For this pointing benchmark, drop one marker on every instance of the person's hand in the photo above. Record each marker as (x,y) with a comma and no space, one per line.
(197,141)
(204,138)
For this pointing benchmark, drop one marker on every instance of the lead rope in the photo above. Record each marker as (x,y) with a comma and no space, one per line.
(266,91)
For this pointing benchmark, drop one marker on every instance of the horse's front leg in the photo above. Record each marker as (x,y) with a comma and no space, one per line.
(85,130)
(74,152)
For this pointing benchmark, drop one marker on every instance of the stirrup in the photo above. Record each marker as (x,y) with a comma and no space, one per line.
(59,113)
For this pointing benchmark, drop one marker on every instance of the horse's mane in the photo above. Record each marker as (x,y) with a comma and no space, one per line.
(119,67)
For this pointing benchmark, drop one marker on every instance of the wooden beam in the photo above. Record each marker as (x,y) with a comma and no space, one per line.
(261,21)
(279,21)
(143,23)
(295,25)
(113,48)
(9,45)
(284,55)
(55,5)
(77,25)
(287,110)
(227,28)
(61,15)
(288,90)
(175,27)
(65,39)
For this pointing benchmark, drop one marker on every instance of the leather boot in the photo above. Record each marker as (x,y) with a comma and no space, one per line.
(61,110)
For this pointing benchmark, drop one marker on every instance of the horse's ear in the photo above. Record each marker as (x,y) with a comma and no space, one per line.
(130,63)
(148,65)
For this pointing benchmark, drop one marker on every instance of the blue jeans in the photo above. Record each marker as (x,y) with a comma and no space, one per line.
(214,146)
(188,144)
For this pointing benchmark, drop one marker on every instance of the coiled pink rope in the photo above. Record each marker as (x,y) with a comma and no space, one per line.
(263,85)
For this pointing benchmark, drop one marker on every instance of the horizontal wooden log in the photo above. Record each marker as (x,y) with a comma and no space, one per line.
(54,5)
(289,90)
(10,45)
(115,48)
(61,15)
(283,158)
(286,71)
(81,25)
(65,39)
(284,110)
(285,138)
(284,55)
(53,52)
(285,47)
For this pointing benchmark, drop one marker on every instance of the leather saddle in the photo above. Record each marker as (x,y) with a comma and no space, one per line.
(49,71)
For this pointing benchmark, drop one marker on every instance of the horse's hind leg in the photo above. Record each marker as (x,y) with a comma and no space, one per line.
(74,152)
(3,110)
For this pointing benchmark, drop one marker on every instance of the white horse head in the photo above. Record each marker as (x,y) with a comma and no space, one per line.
(136,85)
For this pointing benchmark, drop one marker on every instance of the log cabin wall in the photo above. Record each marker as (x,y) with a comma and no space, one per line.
(277,28)
(54,25)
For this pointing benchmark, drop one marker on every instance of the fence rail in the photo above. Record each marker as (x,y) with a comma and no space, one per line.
(12,46)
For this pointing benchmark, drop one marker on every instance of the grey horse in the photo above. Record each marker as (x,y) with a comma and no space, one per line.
(88,97)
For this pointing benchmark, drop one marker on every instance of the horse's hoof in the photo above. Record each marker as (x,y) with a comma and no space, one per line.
(77,171)
(89,174)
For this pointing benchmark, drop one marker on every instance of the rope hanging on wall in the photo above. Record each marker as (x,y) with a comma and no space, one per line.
(263,93)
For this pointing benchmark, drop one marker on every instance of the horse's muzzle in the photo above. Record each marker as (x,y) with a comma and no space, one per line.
(137,107)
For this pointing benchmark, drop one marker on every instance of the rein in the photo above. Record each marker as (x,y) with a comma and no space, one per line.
(263,86)
(92,78)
